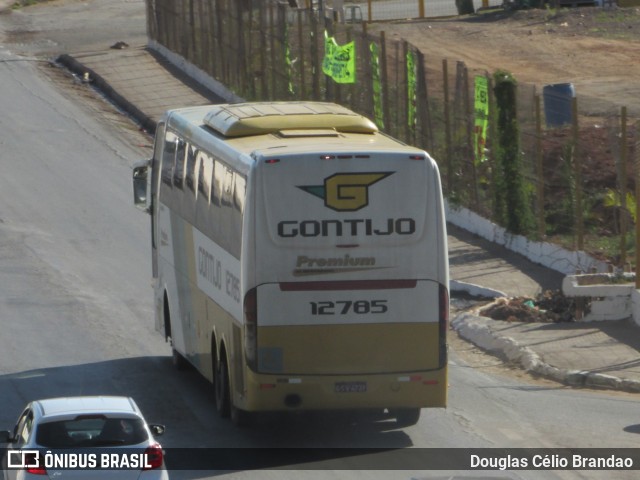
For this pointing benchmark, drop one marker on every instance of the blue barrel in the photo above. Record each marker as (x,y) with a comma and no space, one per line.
(557,103)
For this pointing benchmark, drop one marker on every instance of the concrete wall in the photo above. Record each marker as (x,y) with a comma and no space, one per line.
(543,253)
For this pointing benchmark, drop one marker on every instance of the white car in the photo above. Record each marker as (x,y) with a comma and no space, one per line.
(83,437)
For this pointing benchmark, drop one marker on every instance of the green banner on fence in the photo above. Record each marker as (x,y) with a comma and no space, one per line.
(481,117)
(411,89)
(339,61)
(376,86)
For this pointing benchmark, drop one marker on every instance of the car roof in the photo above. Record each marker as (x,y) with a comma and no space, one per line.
(107,405)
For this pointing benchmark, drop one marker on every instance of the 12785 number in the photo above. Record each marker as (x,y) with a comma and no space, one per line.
(343,307)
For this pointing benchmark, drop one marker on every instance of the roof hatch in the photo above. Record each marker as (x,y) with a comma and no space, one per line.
(246,119)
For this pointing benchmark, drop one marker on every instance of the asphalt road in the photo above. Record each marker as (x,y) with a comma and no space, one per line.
(76,312)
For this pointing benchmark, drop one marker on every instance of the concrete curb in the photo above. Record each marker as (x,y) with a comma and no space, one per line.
(101,84)
(474,290)
(477,330)
(195,73)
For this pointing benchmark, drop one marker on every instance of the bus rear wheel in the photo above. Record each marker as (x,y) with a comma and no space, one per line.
(239,417)
(405,417)
(221,382)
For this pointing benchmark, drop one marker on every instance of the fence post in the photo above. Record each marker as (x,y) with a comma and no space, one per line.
(410,92)
(352,87)
(184,30)
(200,37)
(329,91)
(637,178)
(273,60)
(193,50)
(241,53)
(577,171)
(315,63)
(539,169)
(364,89)
(492,143)
(221,48)
(624,211)
(384,77)
(447,127)
(422,101)
(400,83)
(302,61)
(262,20)
(470,121)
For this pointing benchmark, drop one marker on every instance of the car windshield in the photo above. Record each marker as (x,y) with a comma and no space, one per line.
(91,432)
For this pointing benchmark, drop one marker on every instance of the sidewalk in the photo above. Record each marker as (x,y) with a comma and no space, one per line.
(601,355)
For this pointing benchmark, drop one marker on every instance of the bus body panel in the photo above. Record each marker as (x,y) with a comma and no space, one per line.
(343,331)
(426,389)
(348,349)
(201,282)
(397,232)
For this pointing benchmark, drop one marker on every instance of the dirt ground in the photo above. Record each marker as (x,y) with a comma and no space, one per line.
(597,49)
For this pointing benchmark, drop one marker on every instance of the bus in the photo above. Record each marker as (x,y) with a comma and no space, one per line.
(299,259)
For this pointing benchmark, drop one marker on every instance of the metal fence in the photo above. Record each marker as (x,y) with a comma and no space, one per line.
(387,10)
(578,171)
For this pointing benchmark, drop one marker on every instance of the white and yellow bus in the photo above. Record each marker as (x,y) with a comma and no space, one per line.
(299,258)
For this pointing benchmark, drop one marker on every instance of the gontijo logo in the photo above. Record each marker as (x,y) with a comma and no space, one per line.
(346,192)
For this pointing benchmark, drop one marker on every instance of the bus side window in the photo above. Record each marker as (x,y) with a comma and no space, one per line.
(204,176)
(190,176)
(239,191)
(218,180)
(178,172)
(168,157)
(227,187)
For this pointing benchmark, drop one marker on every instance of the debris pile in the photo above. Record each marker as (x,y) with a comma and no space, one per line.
(550,306)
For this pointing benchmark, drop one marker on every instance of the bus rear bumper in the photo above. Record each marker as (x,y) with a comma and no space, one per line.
(345,392)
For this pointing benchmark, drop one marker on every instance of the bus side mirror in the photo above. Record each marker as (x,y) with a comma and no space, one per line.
(140,174)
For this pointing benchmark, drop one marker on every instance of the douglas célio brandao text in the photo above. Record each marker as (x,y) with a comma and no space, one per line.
(551,462)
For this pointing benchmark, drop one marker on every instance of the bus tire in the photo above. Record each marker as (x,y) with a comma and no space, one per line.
(178,361)
(406,417)
(221,383)
(239,417)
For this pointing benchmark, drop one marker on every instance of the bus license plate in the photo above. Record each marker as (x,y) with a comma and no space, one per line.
(350,387)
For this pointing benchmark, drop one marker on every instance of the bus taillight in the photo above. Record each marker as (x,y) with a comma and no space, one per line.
(251,328)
